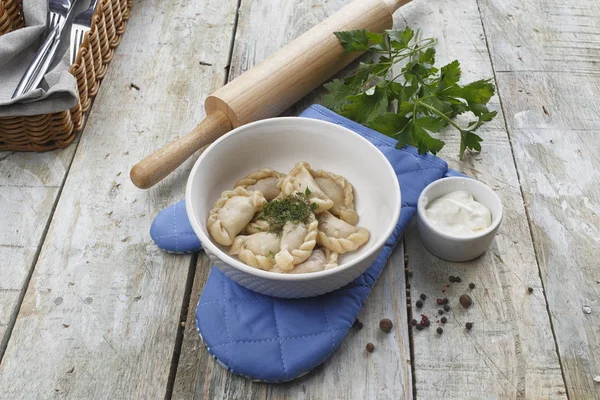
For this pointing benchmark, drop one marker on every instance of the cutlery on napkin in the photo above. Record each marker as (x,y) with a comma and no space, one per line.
(59,13)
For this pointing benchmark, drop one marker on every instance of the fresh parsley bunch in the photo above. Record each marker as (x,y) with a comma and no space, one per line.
(426,98)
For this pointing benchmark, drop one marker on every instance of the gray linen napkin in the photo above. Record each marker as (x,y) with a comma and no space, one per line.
(58,90)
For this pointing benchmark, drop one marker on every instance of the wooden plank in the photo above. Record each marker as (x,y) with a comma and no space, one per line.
(349,372)
(29,186)
(556,154)
(101,313)
(550,87)
(510,352)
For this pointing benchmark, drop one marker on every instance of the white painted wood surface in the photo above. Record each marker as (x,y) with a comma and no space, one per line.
(510,352)
(547,71)
(29,186)
(101,313)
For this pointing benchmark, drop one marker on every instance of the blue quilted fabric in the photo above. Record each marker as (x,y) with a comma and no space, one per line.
(171,230)
(276,340)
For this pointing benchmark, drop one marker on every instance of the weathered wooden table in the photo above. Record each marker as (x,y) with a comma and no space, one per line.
(90,308)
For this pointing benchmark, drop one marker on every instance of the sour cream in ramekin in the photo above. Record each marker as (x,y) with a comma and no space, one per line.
(458,214)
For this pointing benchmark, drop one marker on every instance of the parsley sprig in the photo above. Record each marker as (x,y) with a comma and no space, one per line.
(426,99)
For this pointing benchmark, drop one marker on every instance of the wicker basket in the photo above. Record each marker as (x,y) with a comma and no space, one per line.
(58,130)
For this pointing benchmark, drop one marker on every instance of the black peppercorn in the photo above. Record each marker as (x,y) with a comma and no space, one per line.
(439,330)
(413,322)
(530,289)
(359,326)
(440,312)
(419,304)
(446,307)
(471,285)
(445,301)
(370,347)
(422,296)
(469,325)
(452,278)
(457,279)
(386,325)
(465,301)
(419,327)
(444,320)
(355,324)
(427,322)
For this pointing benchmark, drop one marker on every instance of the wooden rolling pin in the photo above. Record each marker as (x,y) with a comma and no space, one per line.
(269,88)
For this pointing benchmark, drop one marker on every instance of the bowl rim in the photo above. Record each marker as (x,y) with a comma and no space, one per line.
(274,276)
(490,229)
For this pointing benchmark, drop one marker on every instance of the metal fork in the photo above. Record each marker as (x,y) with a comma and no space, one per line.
(81,24)
(58,12)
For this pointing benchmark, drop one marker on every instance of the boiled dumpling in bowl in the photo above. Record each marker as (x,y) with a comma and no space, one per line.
(257,250)
(341,192)
(297,243)
(264,180)
(232,212)
(300,180)
(319,260)
(338,235)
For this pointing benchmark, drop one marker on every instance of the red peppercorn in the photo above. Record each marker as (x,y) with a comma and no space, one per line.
(439,301)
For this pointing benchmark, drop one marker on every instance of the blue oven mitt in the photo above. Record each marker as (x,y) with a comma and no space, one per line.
(276,340)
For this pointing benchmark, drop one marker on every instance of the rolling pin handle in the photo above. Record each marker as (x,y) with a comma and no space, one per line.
(158,165)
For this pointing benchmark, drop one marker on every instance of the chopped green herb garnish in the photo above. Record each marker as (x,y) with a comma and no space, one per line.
(314,206)
(270,255)
(307,192)
(293,208)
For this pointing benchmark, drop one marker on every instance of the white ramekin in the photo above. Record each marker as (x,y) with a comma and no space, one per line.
(455,248)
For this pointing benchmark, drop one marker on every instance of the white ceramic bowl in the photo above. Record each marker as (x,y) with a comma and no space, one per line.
(279,143)
(456,248)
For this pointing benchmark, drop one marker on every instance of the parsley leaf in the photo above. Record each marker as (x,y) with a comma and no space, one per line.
(353,40)
(425,99)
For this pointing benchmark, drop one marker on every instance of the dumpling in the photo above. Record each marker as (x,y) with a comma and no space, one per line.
(257,250)
(297,242)
(338,189)
(232,212)
(300,178)
(338,235)
(319,260)
(264,180)
(257,225)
